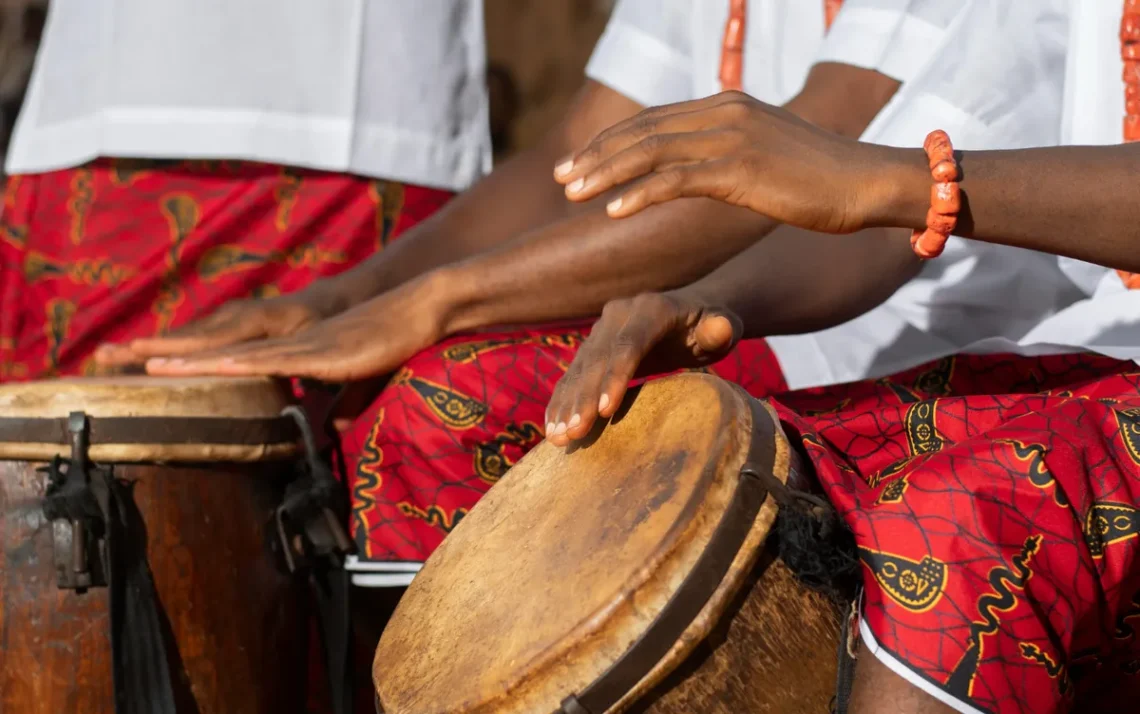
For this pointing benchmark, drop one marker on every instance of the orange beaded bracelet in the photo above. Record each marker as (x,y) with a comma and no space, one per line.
(945,197)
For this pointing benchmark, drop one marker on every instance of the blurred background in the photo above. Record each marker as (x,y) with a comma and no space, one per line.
(537,50)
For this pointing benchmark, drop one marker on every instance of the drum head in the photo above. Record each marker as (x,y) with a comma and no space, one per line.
(569,559)
(185,419)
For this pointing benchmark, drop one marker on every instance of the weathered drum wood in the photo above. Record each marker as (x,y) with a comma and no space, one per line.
(236,632)
(775,653)
(571,558)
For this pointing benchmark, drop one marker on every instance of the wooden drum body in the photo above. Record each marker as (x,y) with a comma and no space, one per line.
(626,574)
(231,619)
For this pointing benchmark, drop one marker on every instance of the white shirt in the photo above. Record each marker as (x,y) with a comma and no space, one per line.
(383,88)
(993,78)
(664,51)
(990,72)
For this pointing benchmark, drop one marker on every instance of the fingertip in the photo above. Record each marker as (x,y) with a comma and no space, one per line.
(563,169)
(614,207)
(580,430)
(603,404)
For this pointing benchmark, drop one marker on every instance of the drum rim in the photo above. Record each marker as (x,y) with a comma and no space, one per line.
(154,431)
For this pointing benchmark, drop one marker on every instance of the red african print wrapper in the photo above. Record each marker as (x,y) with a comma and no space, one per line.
(993,498)
(994,502)
(457,416)
(121,249)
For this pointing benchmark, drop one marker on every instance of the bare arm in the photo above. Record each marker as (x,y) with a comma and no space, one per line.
(778,292)
(1080,202)
(571,268)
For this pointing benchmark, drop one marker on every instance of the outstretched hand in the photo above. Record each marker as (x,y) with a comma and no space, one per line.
(735,149)
(372,339)
(649,334)
(233,323)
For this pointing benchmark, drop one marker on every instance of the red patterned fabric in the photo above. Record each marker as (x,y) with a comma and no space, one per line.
(994,501)
(457,416)
(122,249)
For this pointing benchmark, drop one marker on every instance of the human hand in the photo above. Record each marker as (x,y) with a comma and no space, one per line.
(647,334)
(234,322)
(735,149)
(368,340)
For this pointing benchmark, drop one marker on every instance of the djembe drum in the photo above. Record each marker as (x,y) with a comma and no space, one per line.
(629,573)
(134,516)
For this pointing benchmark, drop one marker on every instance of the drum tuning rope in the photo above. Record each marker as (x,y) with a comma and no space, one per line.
(314,542)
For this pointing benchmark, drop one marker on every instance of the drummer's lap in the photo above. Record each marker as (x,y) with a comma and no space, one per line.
(972,514)
(121,249)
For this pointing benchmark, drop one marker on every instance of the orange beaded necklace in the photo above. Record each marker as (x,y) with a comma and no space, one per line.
(1130,54)
(732,48)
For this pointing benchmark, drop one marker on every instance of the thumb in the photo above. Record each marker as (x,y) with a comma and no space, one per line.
(717,332)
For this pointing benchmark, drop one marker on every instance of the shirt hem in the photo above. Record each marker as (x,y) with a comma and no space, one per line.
(901,669)
(321,143)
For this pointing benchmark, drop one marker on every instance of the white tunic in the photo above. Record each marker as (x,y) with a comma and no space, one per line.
(383,88)
(990,72)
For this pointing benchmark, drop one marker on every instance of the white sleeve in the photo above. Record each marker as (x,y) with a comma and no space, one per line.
(995,80)
(894,37)
(646,52)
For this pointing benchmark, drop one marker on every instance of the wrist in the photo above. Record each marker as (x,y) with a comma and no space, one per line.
(898,192)
(449,299)
(325,297)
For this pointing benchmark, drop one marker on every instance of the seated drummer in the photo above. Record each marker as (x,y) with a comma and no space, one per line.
(994,496)
(458,414)
(283,142)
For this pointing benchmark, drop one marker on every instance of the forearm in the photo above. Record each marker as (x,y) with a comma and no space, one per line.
(797,281)
(1079,202)
(572,268)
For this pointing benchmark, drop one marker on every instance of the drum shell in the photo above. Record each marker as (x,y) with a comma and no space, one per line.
(235,621)
(774,650)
